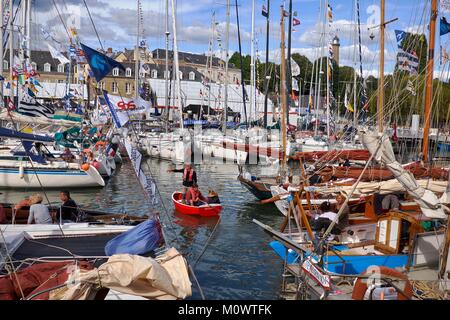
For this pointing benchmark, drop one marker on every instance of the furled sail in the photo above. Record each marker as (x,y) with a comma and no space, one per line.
(427,200)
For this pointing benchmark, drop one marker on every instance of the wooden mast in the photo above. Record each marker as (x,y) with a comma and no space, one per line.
(381,75)
(429,81)
(283,91)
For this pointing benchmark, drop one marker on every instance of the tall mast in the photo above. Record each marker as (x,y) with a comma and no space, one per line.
(283,91)
(328,77)
(289,67)
(429,81)
(28,29)
(227,58)
(2,29)
(381,84)
(166,74)
(11,53)
(252,64)
(241,62)
(177,64)
(266,67)
(136,67)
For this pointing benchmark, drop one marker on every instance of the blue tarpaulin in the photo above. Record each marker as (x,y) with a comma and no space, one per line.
(140,240)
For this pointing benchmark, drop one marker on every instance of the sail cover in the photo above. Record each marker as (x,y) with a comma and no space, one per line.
(163,278)
(427,200)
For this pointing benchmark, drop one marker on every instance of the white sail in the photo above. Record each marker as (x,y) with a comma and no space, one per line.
(427,200)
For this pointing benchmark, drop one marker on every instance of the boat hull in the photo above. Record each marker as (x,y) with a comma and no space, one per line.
(205,210)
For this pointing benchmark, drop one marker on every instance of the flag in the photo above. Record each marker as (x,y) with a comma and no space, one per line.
(347,104)
(330,14)
(30,107)
(295,22)
(265,12)
(100,64)
(295,68)
(400,35)
(408,62)
(445,26)
(57,55)
(410,88)
(286,13)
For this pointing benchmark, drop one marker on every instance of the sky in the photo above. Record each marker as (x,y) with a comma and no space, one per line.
(116,23)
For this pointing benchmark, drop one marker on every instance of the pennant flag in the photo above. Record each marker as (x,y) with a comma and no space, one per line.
(400,35)
(295,13)
(100,64)
(295,22)
(347,104)
(30,107)
(265,12)
(57,55)
(286,13)
(445,26)
(410,88)
(408,62)
(330,14)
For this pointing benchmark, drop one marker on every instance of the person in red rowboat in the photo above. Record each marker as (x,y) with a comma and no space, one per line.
(189,178)
(196,198)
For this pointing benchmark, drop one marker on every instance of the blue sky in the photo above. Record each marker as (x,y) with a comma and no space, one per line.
(116,23)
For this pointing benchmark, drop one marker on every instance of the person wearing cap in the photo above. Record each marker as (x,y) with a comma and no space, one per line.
(213,197)
(39,213)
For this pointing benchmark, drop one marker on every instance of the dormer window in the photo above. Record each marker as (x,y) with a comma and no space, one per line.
(181,75)
(116,72)
(60,68)
(192,75)
(128,72)
(47,67)
(154,74)
(34,66)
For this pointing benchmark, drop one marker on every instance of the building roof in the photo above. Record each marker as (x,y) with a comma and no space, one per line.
(192,58)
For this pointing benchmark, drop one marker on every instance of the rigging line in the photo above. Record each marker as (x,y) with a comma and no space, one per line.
(207,242)
(60,18)
(93,24)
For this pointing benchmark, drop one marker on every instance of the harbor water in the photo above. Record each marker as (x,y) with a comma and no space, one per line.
(237,263)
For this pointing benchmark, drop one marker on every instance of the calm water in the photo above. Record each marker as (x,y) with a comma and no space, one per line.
(238,264)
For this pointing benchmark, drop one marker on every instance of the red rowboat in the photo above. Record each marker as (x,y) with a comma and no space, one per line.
(207,210)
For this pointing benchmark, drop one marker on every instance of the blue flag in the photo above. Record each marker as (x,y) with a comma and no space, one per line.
(114,115)
(400,35)
(100,64)
(445,26)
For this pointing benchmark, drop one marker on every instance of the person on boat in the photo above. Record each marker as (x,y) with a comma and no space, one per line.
(324,220)
(196,198)
(189,177)
(213,197)
(343,219)
(69,208)
(67,155)
(22,204)
(390,202)
(39,213)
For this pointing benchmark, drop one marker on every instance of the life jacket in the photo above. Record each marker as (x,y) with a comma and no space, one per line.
(186,173)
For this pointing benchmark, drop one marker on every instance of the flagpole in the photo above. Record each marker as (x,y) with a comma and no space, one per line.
(252,65)
(266,67)
(283,91)
(177,65)
(166,74)
(242,63)
(429,82)
(28,6)
(136,67)
(227,47)
(381,75)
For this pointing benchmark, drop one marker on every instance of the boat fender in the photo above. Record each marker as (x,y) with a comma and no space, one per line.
(96,164)
(21,171)
(85,166)
(360,287)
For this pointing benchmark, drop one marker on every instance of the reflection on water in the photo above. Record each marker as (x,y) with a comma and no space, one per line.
(238,264)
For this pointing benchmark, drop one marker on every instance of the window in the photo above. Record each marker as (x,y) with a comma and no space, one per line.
(128,72)
(167,73)
(192,75)
(60,68)
(47,67)
(60,81)
(34,65)
(116,72)
(114,87)
(75,69)
(181,75)
(5,64)
(127,88)
(154,74)
(101,85)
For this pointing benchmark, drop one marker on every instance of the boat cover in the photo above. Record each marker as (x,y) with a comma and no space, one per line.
(163,278)
(142,239)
